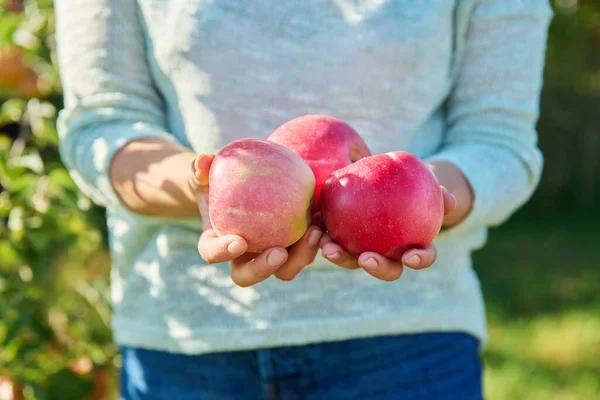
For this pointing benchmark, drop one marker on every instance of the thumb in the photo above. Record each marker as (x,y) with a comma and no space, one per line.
(200,170)
(449,201)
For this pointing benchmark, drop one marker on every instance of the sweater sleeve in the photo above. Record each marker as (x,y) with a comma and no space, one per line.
(494,106)
(109,96)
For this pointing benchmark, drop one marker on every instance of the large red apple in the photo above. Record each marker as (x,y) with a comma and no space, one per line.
(261,191)
(324,142)
(386,203)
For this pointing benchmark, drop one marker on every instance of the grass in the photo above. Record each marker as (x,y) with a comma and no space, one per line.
(541,283)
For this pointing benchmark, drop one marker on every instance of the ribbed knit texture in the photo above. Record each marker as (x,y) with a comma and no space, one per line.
(455,80)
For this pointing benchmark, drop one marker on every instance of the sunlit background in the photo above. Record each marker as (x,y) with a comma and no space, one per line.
(540,271)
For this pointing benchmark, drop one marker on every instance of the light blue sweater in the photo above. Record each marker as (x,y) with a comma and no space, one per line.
(454,80)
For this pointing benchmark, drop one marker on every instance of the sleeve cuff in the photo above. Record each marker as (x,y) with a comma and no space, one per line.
(470,160)
(88,157)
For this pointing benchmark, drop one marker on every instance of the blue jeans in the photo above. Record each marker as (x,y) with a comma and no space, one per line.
(414,366)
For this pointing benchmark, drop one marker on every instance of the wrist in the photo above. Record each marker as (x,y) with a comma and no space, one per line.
(151,178)
(452,178)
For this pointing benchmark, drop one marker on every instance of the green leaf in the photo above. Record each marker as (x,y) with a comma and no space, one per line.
(16,220)
(23,184)
(5,204)
(31,161)
(10,23)
(5,143)
(65,385)
(9,255)
(11,111)
(11,346)
(40,240)
(61,177)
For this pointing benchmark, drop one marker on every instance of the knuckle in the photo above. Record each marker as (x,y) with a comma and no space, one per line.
(262,273)
(324,240)
(308,259)
(349,263)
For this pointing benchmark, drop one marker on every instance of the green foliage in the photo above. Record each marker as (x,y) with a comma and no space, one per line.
(55,339)
(54,307)
(540,282)
(568,128)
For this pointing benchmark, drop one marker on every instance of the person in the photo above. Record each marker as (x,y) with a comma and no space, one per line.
(153,89)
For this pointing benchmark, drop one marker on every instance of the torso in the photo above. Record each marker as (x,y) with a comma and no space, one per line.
(240,69)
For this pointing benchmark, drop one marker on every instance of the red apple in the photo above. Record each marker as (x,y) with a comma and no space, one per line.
(16,75)
(386,203)
(325,143)
(261,191)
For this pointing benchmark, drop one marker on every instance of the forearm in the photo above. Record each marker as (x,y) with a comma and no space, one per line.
(150,176)
(491,114)
(455,182)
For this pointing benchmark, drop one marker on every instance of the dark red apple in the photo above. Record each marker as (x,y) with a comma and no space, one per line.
(386,203)
(325,143)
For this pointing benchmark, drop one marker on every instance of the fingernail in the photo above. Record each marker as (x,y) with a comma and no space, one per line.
(333,256)
(235,248)
(196,163)
(370,263)
(275,258)
(314,237)
(198,172)
(413,261)
(453,202)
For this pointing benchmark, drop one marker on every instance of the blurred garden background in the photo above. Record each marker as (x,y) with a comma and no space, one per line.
(540,271)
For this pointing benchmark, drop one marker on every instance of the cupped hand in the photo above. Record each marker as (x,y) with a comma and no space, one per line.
(247,268)
(379,266)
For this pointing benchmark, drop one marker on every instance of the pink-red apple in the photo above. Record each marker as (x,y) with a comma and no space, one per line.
(261,191)
(324,142)
(386,203)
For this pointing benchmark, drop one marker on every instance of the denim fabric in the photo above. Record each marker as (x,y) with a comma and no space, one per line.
(413,366)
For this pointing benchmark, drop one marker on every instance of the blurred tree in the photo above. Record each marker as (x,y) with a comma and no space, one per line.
(569,121)
(55,341)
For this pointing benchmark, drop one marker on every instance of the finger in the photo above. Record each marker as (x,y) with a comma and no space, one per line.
(202,201)
(449,201)
(301,254)
(380,267)
(336,254)
(200,171)
(317,220)
(420,258)
(254,268)
(215,249)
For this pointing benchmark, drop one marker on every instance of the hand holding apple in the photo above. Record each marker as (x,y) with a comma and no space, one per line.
(246,268)
(384,211)
(262,191)
(379,266)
